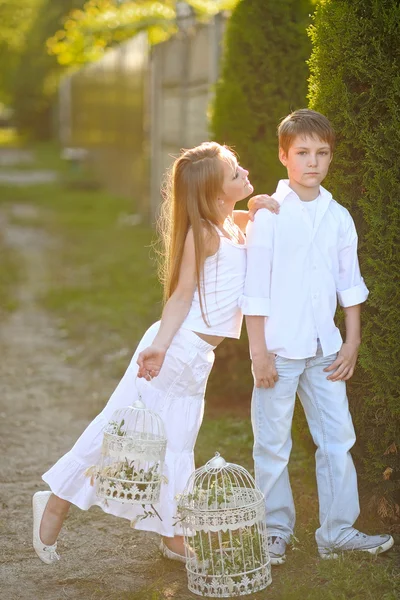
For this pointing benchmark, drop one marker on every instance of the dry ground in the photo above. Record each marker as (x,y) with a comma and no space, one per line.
(44,406)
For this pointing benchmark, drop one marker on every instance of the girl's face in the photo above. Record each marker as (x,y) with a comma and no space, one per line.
(236,185)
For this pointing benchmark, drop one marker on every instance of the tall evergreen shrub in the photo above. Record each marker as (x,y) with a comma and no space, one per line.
(355,81)
(263,77)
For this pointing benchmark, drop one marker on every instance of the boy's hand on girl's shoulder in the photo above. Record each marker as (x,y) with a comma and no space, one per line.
(150,361)
(262,201)
(345,363)
(264,371)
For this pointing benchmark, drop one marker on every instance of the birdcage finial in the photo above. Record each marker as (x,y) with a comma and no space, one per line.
(138,404)
(218,462)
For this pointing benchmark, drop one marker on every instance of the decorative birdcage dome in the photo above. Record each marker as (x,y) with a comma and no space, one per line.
(132,459)
(224,525)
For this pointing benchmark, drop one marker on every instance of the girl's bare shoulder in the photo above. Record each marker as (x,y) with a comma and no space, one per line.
(209,238)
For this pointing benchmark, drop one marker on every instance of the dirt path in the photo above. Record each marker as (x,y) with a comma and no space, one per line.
(44,405)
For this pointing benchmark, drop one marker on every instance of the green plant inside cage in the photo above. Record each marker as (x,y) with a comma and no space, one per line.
(126,475)
(223,552)
(115,428)
(228,552)
(219,494)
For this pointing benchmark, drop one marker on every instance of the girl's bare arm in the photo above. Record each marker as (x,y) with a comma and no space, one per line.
(242,217)
(150,360)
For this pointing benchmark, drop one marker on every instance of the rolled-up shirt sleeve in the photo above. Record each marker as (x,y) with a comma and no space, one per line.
(351,289)
(256,299)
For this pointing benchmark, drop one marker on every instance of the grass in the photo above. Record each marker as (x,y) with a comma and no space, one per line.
(104,286)
(104,293)
(10,274)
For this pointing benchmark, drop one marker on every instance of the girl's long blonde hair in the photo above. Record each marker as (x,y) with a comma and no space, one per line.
(190,200)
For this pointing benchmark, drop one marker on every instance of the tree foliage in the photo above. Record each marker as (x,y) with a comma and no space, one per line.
(37,75)
(88,32)
(355,81)
(62,34)
(264,77)
(15,19)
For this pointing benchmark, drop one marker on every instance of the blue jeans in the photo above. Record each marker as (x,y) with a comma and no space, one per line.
(327,411)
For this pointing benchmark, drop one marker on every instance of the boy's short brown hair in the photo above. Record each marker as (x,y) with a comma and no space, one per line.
(305,122)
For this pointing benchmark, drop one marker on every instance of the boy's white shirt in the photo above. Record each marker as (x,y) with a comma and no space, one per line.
(296,272)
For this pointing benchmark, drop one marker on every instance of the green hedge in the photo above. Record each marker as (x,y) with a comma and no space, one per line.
(355,81)
(263,77)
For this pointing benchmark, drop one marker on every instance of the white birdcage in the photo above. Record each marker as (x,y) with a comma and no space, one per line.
(132,458)
(224,524)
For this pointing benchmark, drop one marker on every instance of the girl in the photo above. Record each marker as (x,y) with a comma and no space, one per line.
(203,276)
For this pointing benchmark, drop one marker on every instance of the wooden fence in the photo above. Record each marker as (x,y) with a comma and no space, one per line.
(134,109)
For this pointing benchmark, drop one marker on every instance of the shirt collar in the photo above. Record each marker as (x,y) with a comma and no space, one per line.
(283,191)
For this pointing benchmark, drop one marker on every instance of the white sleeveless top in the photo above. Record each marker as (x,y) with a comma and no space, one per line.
(224,275)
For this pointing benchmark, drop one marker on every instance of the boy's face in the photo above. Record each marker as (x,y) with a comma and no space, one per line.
(307,161)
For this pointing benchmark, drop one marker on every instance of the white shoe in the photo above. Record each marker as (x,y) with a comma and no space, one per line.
(361,542)
(167,553)
(47,554)
(276,549)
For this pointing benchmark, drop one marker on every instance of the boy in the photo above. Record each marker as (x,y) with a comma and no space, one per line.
(299,262)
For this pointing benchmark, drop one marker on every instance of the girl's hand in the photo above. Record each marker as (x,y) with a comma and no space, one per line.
(150,361)
(262,201)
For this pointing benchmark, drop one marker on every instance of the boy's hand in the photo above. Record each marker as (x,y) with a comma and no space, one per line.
(150,361)
(262,201)
(264,371)
(345,363)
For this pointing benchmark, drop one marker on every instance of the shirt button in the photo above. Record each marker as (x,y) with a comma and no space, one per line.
(315,267)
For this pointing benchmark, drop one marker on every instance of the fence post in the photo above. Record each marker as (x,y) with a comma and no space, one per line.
(64,99)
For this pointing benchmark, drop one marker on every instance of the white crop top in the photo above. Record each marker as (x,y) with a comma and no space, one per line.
(224,275)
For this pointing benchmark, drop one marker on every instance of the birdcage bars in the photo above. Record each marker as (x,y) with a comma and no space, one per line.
(132,457)
(223,520)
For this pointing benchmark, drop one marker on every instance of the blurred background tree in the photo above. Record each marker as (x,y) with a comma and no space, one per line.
(46,37)
(264,77)
(16,19)
(87,33)
(37,74)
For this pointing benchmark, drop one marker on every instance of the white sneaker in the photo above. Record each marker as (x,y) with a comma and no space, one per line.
(47,554)
(361,542)
(276,549)
(167,553)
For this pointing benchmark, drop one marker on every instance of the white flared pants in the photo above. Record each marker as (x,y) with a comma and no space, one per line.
(177,395)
